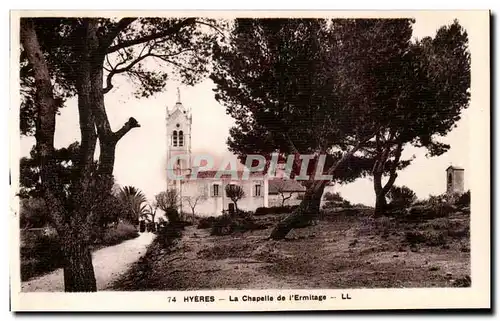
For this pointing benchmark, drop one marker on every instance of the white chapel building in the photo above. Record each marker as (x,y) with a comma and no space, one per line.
(208,190)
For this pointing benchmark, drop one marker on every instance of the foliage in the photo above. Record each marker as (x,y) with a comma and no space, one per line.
(335,200)
(205,222)
(29,171)
(235,193)
(429,237)
(298,88)
(136,201)
(464,199)
(333,197)
(168,199)
(121,232)
(227,224)
(40,253)
(275,210)
(33,213)
(423,87)
(172,215)
(401,197)
(181,44)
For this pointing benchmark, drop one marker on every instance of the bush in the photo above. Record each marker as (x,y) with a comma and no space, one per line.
(429,237)
(205,222)
(227,224)
(40,254)
(463,200)
(430,211)
(172,215)
(401,197)
(275,210)
(114,235)
(33,213)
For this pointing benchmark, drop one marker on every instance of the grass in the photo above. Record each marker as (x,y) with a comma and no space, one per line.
(40,248)
(345,249)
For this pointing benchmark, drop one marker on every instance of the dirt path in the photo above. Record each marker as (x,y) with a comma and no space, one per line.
(109,264)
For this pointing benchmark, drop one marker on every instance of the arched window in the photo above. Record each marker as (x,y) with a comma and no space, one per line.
(174,139)
(181,138)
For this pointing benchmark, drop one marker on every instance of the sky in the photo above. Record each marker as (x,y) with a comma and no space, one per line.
(141,154)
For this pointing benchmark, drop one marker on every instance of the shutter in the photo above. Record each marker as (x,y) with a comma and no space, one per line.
(211,188)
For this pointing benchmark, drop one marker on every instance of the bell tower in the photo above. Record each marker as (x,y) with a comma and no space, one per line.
(454,180)
(179,120)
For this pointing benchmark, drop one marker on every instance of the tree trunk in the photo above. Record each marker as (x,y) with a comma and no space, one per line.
(380,204)
(310,205)
(78,269)
(381,191)
(307,211)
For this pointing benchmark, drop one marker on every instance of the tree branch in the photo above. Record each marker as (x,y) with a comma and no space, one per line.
(132,42)
(109,83)
(113,32)
(131,123)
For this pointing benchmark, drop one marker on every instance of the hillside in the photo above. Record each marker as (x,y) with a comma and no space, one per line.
(347,249)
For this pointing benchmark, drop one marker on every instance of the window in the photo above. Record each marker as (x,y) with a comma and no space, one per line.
(231,187)
(216,190)
(181,138)
(449,179)
(178,161)
(258,190)
(174,139)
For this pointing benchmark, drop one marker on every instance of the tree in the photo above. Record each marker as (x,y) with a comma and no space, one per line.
(168,202)
(401,197)
(281,189)
(193,201)
(150,212)
(62,57)
(424,90)
(306,87)
(235,193)
(333,197)
(136,203)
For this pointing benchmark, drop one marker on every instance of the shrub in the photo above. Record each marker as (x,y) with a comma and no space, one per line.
(401,197)
(462,282)
(275,210)
(205,222)
(33,213)
(227,224)
(463,200)
(40,253)
(333,197)
(441,223)
(430,211)
(172,215)
(429,237)
(122,232)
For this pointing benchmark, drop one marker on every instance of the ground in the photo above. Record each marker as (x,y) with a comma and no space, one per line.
(349,249)
(109,264)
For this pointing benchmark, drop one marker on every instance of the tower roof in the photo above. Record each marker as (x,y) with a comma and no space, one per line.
(458,168)
(178,105)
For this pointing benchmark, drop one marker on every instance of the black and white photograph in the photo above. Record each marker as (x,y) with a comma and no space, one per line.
(248,161)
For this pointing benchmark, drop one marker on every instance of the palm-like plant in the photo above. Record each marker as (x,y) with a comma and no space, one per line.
(135,200)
